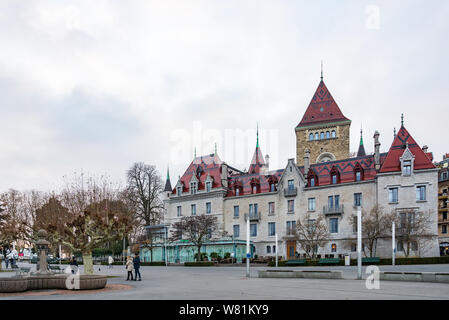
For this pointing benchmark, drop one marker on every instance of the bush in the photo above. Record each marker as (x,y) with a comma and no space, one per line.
(399,261)
(215,255)
(227,255)
(199,264)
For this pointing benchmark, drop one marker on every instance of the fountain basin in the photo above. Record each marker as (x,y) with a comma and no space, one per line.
(39,282)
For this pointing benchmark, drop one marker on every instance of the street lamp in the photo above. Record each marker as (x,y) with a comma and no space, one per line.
(359,243)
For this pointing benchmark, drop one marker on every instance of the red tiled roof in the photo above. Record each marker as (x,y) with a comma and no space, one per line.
(392,163)
(345,168)
(245,180)
(257,162)
(322,108)
(210,164)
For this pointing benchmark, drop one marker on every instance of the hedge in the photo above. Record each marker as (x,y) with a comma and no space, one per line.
(398,261)
(199,264)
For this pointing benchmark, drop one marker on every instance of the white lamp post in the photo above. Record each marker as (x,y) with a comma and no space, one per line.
(276,248)
(248,254)
(359,243)
(393,244)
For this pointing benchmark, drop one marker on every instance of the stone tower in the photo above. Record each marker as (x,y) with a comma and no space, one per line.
(324,130)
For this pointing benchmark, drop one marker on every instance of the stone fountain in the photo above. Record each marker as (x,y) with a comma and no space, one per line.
(43,278)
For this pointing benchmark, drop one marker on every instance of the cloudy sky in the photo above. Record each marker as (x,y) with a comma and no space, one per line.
(98,85)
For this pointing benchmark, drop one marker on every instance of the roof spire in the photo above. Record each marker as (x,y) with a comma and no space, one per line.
(215,148)
(361,152)
(321,70)
(257,133)
(194,154)
(394,132)
(167,182)
(402,119)
(361,136)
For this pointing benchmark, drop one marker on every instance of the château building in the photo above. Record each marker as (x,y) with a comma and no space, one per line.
(323,180)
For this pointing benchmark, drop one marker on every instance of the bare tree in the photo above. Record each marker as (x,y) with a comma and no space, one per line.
(97,215)
(144,193)
(376,224)
(196,229)
(12,222)
(413,230)
(311,234)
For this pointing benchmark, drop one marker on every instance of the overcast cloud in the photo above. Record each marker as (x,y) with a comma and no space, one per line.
(98,85)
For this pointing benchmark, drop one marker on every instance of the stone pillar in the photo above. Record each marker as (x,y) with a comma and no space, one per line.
(224,175)
(376,150)
(306,161)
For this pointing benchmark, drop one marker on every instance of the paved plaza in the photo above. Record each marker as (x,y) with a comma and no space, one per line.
(230,283)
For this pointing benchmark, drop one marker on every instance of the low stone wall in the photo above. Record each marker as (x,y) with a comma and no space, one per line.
(304,274)
(20,284)
(414,276)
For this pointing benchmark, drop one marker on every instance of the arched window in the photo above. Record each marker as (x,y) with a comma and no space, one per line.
(317,136)
(322,135)
(268,249)
(334,247)
(255,185)
(237,191)
(333,134)
(311,137)
(272,188)
(328,134)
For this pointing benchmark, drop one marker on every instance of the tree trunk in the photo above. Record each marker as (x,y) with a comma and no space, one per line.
(151,256)
(88,264)
(198,257)
(0,264)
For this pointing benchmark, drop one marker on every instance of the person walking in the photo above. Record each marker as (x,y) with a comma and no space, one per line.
(14,257)
(136,262)
(111,261)
(73,264)
(129,267)
(6,254)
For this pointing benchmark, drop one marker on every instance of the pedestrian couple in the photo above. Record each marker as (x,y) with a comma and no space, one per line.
(133,264)
(10,257)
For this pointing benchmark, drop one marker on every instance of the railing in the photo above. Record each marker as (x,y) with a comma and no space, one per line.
(255,216)
(290,192)
(333,210)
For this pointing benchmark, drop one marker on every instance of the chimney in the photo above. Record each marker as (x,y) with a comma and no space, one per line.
(306,161)
(224,175)
(376,150)
(267,163)
(425,148)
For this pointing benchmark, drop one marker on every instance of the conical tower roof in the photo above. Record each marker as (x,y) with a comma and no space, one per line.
(257,163)
(361,151)
(322,109)
(167,182)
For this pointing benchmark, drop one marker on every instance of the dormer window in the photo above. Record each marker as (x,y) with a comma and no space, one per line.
(193,187)
(358,172)
(254,189)
(237,191)
(335,177)
(272,187)
(407,168)
(179,191)
(208,186)
(312,182)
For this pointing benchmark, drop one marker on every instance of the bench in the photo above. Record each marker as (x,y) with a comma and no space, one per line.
(329,261)
(22,270)
(57,269)
(371,260)
(297,262)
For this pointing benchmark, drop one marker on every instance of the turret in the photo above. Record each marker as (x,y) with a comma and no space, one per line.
(168,188)
(224,175)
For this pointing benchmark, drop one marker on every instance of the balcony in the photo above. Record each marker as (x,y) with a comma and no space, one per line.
(255,216)
(290,192)
(442,196)
(333,210)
